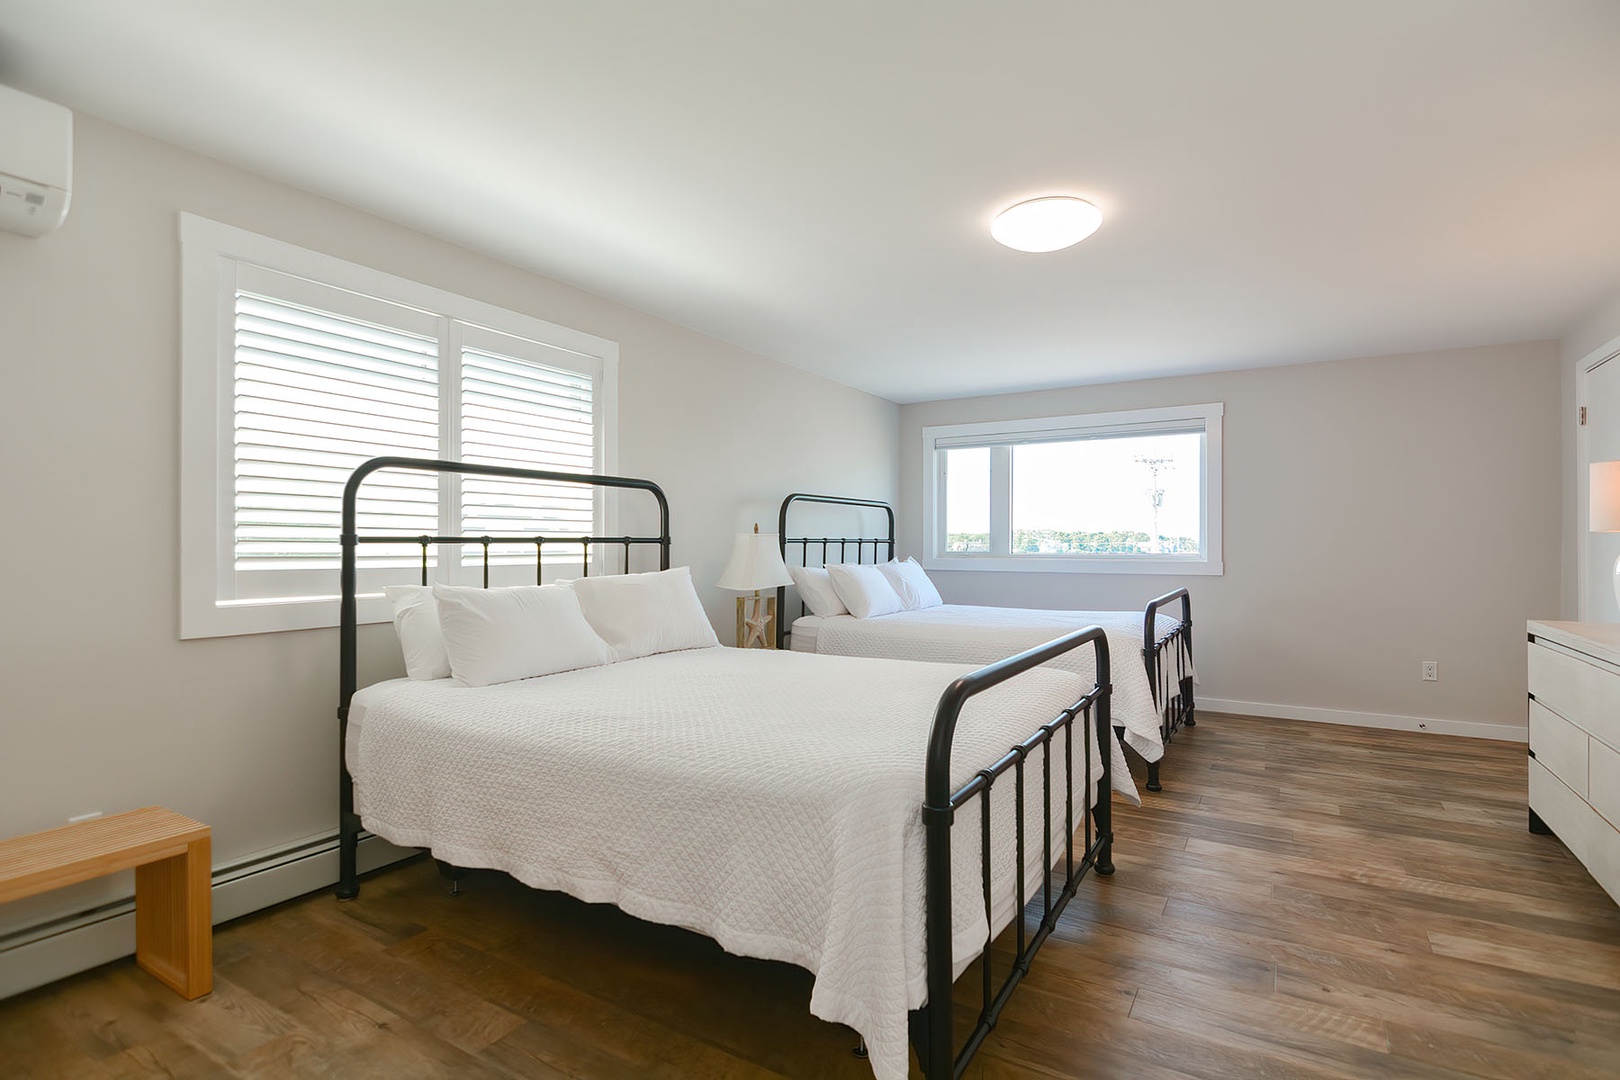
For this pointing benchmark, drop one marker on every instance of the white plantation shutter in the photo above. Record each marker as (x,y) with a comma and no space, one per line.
(316,395)
(323,380)
(297,367)
(515,411)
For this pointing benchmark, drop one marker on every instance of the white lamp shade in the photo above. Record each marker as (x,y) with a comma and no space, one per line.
(756,563)
(1603,497)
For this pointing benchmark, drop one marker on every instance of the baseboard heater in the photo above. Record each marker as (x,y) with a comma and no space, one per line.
(67,944)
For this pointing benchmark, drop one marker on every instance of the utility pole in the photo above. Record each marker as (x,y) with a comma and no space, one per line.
(1156,493)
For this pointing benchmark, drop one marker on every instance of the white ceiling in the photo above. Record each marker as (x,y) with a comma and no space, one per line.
(1281,180)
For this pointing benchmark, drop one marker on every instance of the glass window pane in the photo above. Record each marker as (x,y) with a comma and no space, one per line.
(1121,495)
(967,499)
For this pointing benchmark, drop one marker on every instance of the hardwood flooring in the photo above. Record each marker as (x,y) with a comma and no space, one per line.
(1301,901)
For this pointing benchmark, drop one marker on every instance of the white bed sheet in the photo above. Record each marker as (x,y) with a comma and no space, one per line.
(969,634)
(766,799)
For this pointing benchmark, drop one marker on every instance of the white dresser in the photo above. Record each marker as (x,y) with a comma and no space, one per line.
(1575,742)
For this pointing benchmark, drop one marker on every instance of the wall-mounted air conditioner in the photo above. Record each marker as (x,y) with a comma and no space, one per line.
(36,163)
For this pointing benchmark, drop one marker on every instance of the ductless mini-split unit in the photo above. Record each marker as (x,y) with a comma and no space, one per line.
(36,163)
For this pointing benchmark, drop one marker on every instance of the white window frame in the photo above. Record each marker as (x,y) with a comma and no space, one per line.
(211,254)
(937,439)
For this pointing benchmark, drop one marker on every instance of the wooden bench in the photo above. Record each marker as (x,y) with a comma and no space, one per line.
(170,855)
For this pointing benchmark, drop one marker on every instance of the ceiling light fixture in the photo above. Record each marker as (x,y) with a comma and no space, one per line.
(1046,224)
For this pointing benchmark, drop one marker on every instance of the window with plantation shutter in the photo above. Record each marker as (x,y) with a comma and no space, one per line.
(516,409)
(297,367)
(316,393)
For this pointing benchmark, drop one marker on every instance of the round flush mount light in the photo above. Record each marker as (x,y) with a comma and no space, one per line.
(1046,224)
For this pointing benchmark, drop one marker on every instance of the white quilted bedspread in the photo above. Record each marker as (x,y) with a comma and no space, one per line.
(769,800)
(967,634)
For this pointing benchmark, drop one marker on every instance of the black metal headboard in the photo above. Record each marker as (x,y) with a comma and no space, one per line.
(348,619)
(826,543)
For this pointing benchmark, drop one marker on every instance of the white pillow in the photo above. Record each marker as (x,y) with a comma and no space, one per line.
(499,635)
(416,621)
(642,614)
(911,582)
(816,590)
(864,590)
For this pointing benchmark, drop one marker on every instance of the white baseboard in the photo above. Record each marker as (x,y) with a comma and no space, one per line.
(68,944)
(1465,728)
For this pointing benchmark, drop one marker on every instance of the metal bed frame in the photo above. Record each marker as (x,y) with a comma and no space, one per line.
(931,1027)
(1168,658)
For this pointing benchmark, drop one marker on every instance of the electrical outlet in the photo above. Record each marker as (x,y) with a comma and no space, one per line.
(84,817)
(1431,671)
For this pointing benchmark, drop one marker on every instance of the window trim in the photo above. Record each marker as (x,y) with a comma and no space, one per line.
(937,438)
(210,254)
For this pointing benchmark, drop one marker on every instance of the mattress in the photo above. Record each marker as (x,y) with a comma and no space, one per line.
(767,799)
(803,637)
(968,634)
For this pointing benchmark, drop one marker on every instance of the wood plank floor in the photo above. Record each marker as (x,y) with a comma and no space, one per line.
(1302,901)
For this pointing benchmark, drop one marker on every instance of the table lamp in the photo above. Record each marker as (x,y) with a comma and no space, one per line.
(756,564)
(1603,505)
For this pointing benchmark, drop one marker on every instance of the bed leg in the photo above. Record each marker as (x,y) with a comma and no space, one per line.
(1539,827)
(453,874)
(1153,776)
(917,1027)
(1187,702)
(348,886)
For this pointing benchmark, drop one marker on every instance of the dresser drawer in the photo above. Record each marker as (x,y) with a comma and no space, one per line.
(1605,773)
(1577,691)
(1588,837)
(1566,813)
(1603,862)
(1560,746)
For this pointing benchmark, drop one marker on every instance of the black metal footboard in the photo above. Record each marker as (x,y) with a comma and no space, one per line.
(349,825)
(931,1026)
(1169,661)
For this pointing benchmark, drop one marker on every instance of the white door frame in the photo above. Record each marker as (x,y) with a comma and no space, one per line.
(1609,352)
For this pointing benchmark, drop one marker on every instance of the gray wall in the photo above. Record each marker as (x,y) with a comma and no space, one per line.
(103,707)
(1378,513)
